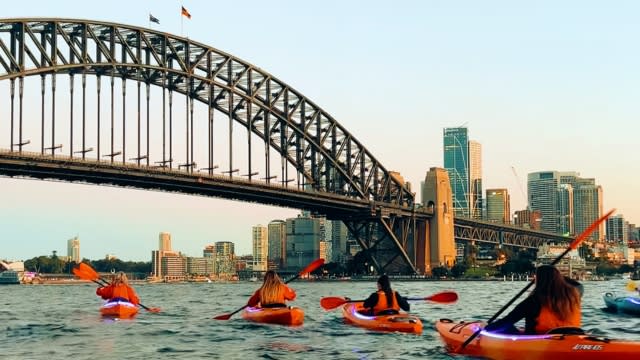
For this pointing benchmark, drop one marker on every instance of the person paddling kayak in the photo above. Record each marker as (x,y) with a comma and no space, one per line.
(119,289)
(554,303)
(385,301)
(272,293)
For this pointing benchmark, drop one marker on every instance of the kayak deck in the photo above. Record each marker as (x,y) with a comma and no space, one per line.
(118,308)
(403,322)
(547,346)
(289,315)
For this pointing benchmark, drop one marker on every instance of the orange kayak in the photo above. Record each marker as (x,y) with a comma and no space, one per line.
(119,308)
(281,315)
(395,323)
(548,346)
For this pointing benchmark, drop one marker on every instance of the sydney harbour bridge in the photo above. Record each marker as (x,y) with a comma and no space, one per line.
(106,103)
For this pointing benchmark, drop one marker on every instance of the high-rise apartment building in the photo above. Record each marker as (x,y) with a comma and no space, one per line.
(542,189)
(73,249)
(303,240)
(260,237)
(277,243)
(528,219)
(475,179)
(568,203)
(164,241)
(617,230)
(498,206)
(463,162)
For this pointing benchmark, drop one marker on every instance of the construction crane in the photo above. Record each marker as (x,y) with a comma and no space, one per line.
(524,195)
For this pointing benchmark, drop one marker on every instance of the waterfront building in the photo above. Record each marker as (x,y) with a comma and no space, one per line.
(303,241)
(617,230)
(200,265)
(528,219)
(339,237)
(498,206)
(173,266)
(225,266)
(542,190)
(259,238)
(73,249)
(164,241)
(277,240)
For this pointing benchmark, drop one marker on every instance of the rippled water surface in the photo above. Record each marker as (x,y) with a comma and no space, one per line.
(62,321)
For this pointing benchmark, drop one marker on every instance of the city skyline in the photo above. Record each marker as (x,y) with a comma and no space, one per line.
(541,87)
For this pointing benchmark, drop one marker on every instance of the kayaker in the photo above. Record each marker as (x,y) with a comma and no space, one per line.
(554,303)
(272,293)
(119,289)
(385,301)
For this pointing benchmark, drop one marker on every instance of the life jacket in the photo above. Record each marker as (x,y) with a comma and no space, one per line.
(382,304)
(121,291)
(548,320)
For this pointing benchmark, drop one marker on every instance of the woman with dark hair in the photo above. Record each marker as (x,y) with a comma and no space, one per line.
(385,301)
(272,293)
(554,303)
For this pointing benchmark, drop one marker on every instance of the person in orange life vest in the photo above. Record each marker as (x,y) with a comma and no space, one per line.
(385,301)
(119,289)
(554,303)
(272,293)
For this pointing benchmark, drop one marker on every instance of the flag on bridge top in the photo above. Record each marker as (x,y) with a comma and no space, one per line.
(153,19)
(185,13)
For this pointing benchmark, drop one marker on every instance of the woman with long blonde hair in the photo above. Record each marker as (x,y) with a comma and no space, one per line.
(272,293)
(119,289)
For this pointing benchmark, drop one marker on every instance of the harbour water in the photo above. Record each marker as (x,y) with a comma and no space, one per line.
(62,321)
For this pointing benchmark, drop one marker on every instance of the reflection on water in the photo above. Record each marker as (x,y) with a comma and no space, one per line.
(52,322)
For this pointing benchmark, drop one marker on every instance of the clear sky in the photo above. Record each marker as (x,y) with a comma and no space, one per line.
(542,85)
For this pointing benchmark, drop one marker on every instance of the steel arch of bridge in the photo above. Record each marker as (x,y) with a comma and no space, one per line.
(325,156)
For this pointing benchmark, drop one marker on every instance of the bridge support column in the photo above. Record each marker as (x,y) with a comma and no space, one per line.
(437,244)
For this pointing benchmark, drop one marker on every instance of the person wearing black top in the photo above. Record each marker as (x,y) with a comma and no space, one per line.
(385,301)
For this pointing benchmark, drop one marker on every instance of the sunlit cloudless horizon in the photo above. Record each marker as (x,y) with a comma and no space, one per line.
(541,85)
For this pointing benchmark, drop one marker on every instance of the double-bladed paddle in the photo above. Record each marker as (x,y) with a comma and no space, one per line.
(311,267)
(445,297)
(86,272)
(585,234)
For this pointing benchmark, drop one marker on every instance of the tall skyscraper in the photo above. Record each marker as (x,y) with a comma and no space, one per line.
(568,203)
(498,206)
(475,179)
(277,243)
(73,249)
(463,162)
(303,240)
(164,241)
(260,238)
(456,162)
(617,230)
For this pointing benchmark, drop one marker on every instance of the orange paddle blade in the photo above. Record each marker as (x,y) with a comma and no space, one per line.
(83,274)
(444,297)
(311,267)
(153,309)
(88,271)
(223,317)
(332,302)
(631,286)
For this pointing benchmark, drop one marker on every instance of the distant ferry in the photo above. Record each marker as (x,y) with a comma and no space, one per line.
(9,277)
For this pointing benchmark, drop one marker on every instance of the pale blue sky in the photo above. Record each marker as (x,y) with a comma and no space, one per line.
(542,85)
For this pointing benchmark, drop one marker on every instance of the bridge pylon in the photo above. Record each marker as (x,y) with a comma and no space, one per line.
(435,245)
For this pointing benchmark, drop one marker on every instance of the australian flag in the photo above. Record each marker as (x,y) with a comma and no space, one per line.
(154,19)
